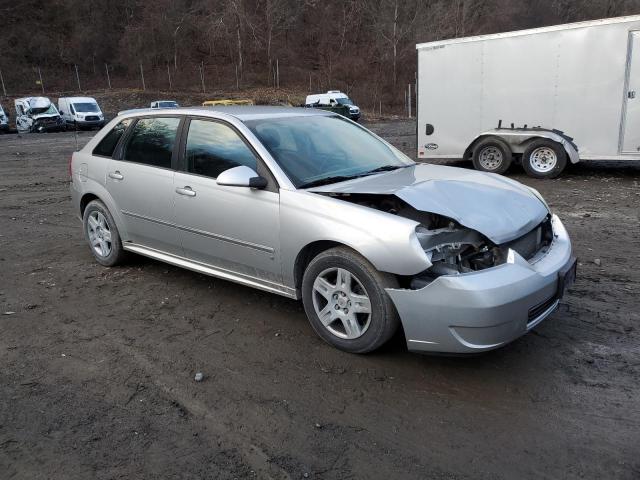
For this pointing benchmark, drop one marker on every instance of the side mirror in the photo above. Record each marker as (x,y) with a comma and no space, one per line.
(241,176)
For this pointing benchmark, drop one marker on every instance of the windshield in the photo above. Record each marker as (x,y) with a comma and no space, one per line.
(316,150)
(168,105)
(86,107)
(344,101)
(50,110)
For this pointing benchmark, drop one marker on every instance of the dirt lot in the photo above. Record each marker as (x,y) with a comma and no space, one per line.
(98,364)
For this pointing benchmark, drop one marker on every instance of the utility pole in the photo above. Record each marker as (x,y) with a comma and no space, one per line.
(106,67)
(4,90)
(41,82)
(142,76)
(78,78)
(202,75)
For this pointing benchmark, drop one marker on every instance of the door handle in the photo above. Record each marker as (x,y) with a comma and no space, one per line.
(186,191)
(116,175)
(631,94)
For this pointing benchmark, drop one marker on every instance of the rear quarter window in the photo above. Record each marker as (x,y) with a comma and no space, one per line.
(108,144)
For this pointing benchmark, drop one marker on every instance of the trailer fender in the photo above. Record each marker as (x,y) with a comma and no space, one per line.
(519,138)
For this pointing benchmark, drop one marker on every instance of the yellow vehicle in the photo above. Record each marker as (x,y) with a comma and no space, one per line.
(227,102)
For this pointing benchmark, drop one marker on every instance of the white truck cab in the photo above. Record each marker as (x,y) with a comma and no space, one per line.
(82,112)
(334,100)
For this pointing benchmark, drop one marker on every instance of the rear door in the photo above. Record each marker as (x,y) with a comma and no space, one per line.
(631,128)
(140,180)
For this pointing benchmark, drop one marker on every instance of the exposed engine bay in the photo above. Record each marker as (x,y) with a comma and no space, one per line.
(452,248)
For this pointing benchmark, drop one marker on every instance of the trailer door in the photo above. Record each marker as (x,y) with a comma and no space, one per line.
(631,127)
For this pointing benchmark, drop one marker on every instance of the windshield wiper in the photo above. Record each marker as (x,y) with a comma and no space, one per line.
(327,180)
(384,168)
(342,178)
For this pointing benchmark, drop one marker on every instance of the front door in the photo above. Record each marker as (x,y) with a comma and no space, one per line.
(631,131)
(235,229)
(141,184)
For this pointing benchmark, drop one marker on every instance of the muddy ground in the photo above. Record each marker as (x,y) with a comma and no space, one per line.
(98,364)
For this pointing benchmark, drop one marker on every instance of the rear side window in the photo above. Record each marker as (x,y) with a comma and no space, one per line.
(108,144)
(213,147)
(151,141)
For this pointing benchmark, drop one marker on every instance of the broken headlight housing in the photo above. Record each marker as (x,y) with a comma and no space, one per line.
(453,250)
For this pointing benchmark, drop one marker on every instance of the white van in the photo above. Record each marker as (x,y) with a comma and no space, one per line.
(4,120)
(335,101)
(82,112)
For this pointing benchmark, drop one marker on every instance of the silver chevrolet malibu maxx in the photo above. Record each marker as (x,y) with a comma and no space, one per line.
(312,206)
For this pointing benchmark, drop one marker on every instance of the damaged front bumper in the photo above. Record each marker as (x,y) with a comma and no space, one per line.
(479,311)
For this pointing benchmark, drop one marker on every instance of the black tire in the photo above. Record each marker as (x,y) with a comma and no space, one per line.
(383,319)
(533,167)
(485,155)
(116,253)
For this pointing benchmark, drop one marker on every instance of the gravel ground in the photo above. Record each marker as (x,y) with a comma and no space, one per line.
(98,364)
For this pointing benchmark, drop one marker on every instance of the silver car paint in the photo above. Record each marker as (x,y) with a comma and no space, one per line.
(233,228)
(259,246)
(479,311)
(148,219)
(496,207)
(307,218)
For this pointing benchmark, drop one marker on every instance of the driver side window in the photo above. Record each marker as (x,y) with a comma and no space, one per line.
(213,147)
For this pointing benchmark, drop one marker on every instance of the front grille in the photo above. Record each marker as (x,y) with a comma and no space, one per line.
(91,118)
(539,309)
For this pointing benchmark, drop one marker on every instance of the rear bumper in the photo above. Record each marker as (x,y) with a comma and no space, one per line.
(481,311)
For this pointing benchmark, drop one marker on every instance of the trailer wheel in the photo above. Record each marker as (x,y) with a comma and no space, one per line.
(492,155)
(544,159)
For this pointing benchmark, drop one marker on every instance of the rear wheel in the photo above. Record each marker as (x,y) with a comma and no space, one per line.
(102,234)
(345,300)
(492,155)
(544,159)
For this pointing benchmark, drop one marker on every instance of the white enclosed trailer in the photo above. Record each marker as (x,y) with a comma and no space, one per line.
(542,97)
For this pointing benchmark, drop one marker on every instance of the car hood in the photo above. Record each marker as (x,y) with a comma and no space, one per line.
(38,116)
(497,207)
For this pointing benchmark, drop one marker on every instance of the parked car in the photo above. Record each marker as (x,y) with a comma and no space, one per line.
(573,94)
(37,114)
(334,101)
(164,104)
(81,112)
(4,120)
(308,205)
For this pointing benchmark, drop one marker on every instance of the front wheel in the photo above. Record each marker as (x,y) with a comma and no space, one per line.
(345,300)
(544,159)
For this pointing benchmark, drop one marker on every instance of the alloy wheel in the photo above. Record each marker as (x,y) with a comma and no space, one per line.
(341,303)
(99,234)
